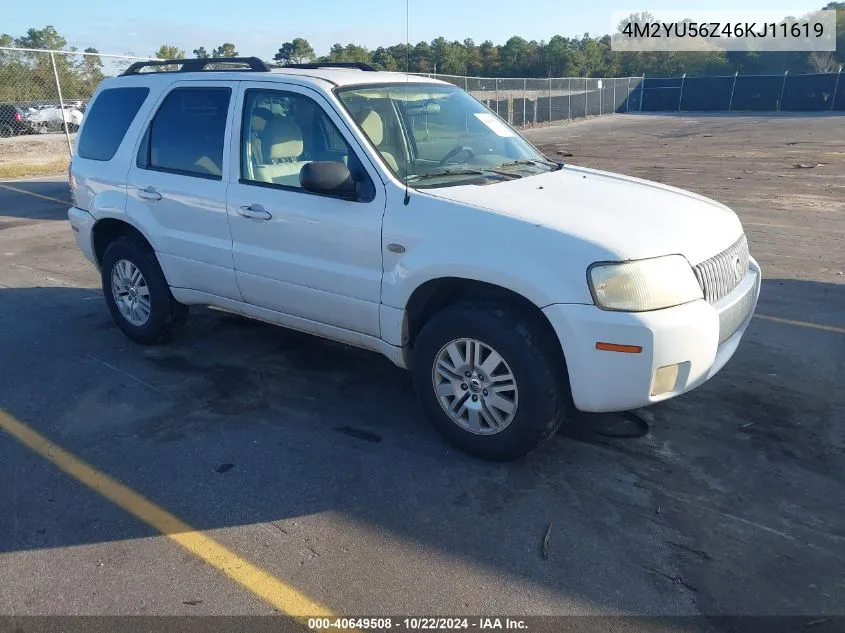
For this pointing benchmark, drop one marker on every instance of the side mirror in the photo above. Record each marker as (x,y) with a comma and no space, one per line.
(329,178)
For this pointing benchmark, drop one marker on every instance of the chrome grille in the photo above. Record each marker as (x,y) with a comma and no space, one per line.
(720,274)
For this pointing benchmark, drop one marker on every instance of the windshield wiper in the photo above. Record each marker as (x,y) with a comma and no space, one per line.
(445,172)
(459,172)
(516,163)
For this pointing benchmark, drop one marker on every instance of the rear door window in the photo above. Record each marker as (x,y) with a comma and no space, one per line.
(187,134)
(107,120)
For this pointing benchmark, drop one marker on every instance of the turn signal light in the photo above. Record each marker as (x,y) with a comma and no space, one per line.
(614,347)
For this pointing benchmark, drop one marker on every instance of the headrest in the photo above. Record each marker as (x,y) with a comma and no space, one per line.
(371,123)
(260,117)
(284,138)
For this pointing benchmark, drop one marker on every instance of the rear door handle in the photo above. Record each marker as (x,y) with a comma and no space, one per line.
(149,193)
(254,211)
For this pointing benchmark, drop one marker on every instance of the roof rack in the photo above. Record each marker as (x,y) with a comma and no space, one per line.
(350,65)
(197,65)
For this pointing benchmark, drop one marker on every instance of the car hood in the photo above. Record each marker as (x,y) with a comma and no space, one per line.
(630,217)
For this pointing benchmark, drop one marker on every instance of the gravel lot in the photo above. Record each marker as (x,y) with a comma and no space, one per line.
(34,148)
(311,460)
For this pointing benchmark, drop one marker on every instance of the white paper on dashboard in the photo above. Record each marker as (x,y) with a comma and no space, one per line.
(499,128)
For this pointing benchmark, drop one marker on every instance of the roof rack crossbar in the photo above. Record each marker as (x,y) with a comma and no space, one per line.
(315,65)
(197,65)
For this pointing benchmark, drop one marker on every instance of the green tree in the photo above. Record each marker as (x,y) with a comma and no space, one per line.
(591,57)
(422,58)
(201,53)
(348,53)
(450,57)
(7,57)
(295,52)
(490,65)
(91,71)
(474,62)
(47,38)
(385,59)
(557,57)
(226,49)
(168,51)
(34,74)
(513,56)
(839,7)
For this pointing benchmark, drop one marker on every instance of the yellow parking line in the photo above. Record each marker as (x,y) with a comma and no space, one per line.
(279,594)
(35,195)
(807,324)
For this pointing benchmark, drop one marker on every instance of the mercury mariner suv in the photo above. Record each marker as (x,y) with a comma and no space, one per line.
(399,214)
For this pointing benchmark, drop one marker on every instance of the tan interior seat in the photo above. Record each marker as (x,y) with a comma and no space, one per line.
(282,148)
(260,117)
(204,163)
(373,127)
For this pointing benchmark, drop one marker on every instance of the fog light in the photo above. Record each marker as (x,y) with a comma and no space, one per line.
(664,379)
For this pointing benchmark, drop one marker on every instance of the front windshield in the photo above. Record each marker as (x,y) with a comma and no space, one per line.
(433,135)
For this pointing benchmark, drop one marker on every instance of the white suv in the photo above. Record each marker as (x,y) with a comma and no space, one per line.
(399,214)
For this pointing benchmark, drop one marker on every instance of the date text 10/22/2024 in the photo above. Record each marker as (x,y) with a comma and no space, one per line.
(419,623)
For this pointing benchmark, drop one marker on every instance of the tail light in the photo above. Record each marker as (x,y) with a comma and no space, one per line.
(18,117)
(70,183)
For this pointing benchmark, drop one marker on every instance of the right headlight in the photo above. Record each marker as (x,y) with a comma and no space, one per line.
(645,284)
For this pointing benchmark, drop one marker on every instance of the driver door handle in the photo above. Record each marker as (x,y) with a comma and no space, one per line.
(254,211)
(149,193)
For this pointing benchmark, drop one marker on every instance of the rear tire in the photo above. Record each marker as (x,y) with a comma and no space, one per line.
(137,293)
(507,423)
(6,131)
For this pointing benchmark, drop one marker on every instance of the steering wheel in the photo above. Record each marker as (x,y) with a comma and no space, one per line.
(454,152)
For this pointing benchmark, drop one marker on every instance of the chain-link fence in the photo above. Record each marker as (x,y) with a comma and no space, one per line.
(43,96)
(819,92)
(525,102)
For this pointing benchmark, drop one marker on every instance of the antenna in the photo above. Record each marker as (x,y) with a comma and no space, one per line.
(407,79)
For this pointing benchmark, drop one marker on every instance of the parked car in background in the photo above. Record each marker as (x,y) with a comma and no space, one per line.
(401,215)
(13,121)
(51,118)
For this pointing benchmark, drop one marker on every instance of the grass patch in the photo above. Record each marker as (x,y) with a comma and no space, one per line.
(18,170)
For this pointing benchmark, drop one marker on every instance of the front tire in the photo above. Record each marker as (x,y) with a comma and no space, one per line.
(490,380)
(137,293)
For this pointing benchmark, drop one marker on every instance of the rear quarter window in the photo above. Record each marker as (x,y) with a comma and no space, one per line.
(107,120)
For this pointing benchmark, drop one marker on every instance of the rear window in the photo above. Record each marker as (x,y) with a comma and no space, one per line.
(187,133)
(107,120)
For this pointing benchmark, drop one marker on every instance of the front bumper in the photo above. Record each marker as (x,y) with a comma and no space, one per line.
(698,337)
(82,224)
